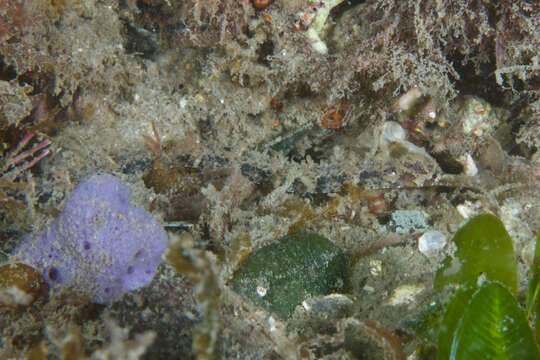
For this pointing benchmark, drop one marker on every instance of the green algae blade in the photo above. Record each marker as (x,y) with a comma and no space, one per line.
(493,327)
(483,248)
(450,321)
(534,287)
(279,276)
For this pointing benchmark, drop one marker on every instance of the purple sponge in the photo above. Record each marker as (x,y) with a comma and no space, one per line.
(99,245)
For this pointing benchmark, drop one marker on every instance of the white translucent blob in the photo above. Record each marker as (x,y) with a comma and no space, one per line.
(431,242)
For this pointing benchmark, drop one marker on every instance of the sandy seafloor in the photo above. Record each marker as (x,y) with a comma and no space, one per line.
(229,125)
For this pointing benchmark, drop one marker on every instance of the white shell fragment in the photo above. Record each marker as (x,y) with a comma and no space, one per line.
(469,166)
(468,209)
(392,132)
(431,242)
(272,324)
(405,294)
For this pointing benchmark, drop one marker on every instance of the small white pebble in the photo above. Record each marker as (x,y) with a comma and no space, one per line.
(375,267)
(431,242)
(183,102)
(463,211)
(306,306)
(261,291)
(272,323)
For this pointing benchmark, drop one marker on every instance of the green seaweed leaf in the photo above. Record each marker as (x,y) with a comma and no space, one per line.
(483,247)
(454,312)
(534,287)
(493,327)
(537,324)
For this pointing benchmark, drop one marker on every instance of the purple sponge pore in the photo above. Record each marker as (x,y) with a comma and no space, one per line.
(99,245)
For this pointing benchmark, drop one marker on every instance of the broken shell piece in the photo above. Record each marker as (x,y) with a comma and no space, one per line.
(469,166)
(431,242)
(405,294)
(468,209)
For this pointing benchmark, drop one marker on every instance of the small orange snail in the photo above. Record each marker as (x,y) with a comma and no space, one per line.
(261,4)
